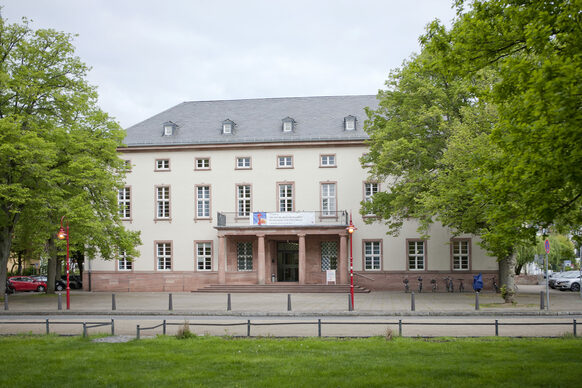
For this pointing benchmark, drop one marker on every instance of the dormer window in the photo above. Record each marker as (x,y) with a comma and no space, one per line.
(169,128)
(350,123)
(288,124)
(227,126)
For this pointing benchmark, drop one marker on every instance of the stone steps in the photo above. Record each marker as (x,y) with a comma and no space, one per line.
(281,288)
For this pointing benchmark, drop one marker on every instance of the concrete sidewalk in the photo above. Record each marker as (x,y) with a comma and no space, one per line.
(381,303)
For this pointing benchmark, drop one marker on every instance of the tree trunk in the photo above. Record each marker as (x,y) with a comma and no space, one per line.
(51,266)
(5,245)
(507,277)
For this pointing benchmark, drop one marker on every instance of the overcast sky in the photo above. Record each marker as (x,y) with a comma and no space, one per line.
(147,56)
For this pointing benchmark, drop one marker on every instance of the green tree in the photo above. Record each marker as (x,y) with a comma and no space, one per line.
(57,148)
(498,158)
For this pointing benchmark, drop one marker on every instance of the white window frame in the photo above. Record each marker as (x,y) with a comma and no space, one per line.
(370,188)
(168,130)
(285,195)
(373,255)
(331,259)
(204,256)
(416,259)
(327,160)
(328,199)
(162,164)
(243,162)
(203,202)
(287,126)
(202,163)
(243,201)
(227,128)
(123,263)
(124,202)
(164,256)
(285,161)
(163,202)
(461,259)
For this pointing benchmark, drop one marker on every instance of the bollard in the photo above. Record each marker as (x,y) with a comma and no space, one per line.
(164,327)
(496,328)
(60,301)
(319,327)
(400,327)
(574,327)
(47,327)
(412,304)
(228,306)
(288,302)
(113,302)
(170,302)
(249,328)
(542,307)
(6,301)
(350,307)
(112,326)
(476,300)
(84,329)
(137,334)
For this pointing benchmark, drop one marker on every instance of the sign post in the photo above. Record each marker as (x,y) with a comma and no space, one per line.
(547,246)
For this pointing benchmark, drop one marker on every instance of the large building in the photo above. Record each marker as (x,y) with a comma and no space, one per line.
(260,191)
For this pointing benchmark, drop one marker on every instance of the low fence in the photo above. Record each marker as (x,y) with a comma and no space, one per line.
(319,324)
(47,323)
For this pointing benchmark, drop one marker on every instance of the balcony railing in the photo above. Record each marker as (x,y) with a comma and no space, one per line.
(283,219)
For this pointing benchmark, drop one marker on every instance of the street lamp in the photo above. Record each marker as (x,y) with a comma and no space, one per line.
(62,235)
(351,228)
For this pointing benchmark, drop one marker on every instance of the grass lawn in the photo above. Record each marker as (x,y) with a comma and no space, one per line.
(51,361)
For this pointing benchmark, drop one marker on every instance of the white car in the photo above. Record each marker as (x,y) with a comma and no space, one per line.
(570,281)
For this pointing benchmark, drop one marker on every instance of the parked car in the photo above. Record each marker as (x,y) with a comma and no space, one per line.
(554,278)
(59,284)
(570,281)
(75,282)
(25,283)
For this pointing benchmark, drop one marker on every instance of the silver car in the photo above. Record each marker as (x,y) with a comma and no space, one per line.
(570,281)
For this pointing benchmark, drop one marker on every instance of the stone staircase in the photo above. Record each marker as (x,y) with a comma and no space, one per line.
(282,288)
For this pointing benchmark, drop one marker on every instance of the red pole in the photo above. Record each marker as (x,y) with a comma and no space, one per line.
(351,268)
(68,284)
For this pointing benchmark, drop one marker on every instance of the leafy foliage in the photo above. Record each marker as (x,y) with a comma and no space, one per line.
(57,148)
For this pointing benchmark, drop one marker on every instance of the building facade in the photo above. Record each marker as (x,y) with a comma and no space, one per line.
(261,191)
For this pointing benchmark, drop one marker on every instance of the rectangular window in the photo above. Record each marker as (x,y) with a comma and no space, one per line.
(243,163)
(123,264)
(162,164)
(286,197)
(327,161)
(244,256)
(416,255)
(328,199)
(372,255)
(124,202)
(202,201)
(369,190)
(285,161)
(461,254)
(202,164)
(243,200)
(164,256)
(328,255)
(163,202)
(204,256)
(287,126)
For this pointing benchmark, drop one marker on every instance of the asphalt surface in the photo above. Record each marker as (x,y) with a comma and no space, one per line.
(376,313)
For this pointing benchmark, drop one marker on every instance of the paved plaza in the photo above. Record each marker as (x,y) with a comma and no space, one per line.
(376,313)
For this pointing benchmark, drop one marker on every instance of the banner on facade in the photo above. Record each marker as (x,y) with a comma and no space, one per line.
(283,219)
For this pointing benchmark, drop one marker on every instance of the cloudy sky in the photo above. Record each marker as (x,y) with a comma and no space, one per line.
(147,56)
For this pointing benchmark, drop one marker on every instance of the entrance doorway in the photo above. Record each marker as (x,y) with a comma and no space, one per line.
(288,262)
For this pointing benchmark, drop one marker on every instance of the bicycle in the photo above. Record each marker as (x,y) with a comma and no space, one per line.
(434,285)
(495,287)
(461,285)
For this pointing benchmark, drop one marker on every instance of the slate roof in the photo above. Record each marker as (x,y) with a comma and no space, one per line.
(256,121)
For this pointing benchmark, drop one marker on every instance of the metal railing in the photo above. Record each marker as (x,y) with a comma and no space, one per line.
(334,218)
(47,323)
